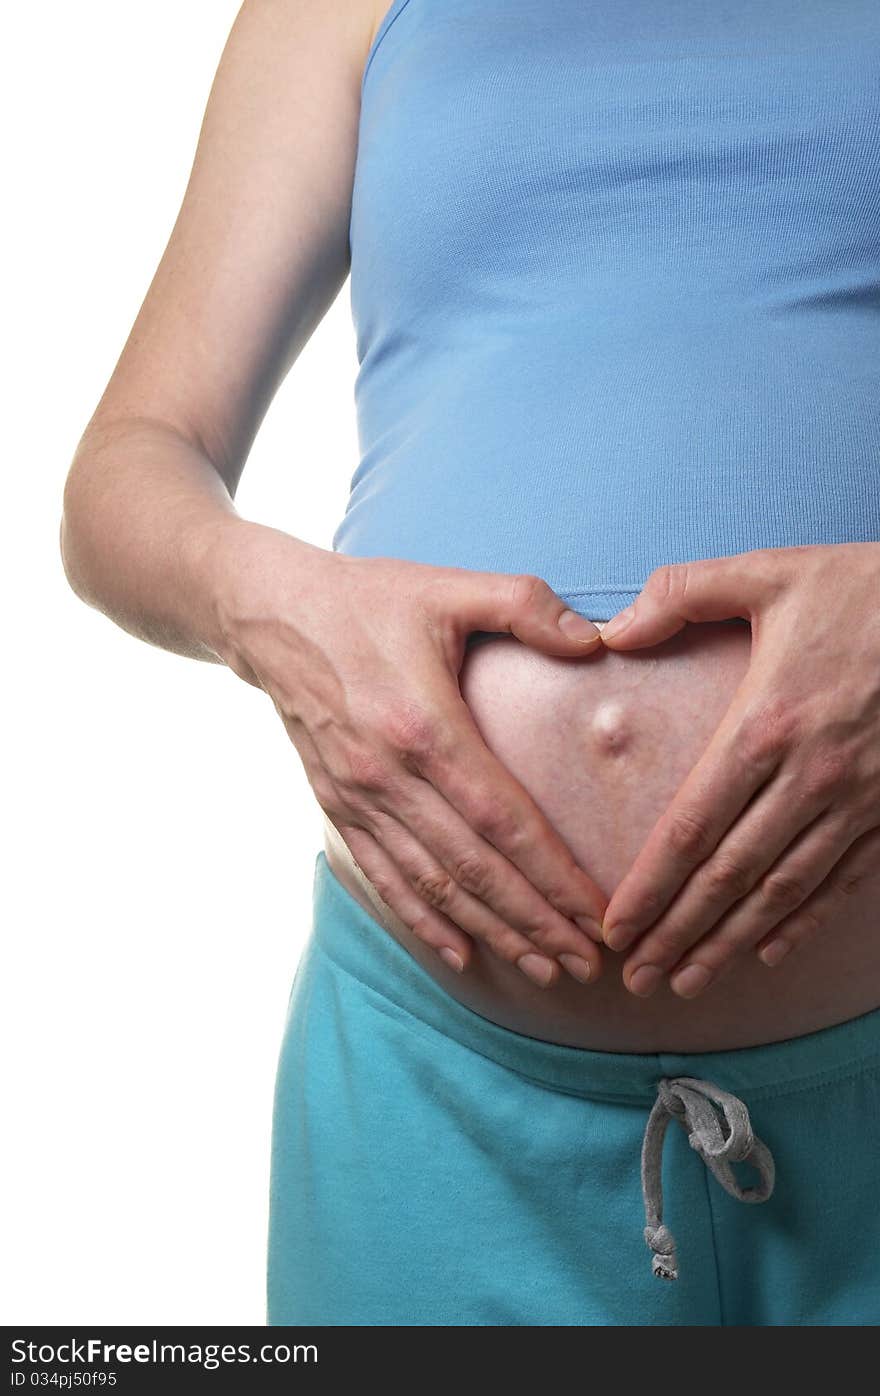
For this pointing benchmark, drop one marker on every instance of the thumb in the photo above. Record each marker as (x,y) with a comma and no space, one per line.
(720,588)
(525,606)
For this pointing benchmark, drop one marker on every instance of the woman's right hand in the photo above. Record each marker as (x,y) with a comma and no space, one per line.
(360,657)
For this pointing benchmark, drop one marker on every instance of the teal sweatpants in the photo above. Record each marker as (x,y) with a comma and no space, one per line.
(432,1168)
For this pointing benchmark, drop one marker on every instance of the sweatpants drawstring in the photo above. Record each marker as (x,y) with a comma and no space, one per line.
(719,1129)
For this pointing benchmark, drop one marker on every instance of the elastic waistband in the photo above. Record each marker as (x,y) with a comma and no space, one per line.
(361,946)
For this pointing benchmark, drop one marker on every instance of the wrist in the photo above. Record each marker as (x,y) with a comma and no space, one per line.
(210,550)
(243,570)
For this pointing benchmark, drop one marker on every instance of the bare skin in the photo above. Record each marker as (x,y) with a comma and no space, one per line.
(603,744)
(455,800)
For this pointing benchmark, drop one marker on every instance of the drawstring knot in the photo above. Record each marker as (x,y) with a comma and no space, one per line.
(664,1262)
(720,1131)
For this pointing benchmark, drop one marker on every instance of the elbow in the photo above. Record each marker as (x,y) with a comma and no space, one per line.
(66,551)
(66,546)
(72,544)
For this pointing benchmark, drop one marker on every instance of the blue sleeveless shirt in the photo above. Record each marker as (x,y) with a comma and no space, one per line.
(615,283)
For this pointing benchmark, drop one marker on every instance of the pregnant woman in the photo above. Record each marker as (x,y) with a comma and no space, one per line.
(591,999)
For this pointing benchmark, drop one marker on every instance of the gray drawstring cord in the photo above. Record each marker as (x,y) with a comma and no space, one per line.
(721,1136)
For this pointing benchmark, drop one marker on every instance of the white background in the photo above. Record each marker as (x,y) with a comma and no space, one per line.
(160,835)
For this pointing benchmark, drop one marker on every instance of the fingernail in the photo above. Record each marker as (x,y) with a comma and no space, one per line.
(618,623)
(645,980)
(577,968)
(450,958)
(536,968)
(774,951)
(618,936)
(589,927)
(690,981)
(578,627)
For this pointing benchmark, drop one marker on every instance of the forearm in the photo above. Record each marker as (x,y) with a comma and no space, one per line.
(143,508)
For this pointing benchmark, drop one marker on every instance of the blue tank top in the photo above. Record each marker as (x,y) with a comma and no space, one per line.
(615,283)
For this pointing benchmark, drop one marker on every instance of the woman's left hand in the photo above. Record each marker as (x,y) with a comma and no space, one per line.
(779,820)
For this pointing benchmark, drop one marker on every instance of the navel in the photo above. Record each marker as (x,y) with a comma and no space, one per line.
(611,728)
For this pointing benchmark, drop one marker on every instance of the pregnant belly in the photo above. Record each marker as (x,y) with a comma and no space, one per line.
(602,744)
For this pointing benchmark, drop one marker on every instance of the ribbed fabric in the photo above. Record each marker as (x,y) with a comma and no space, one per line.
(615,283)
